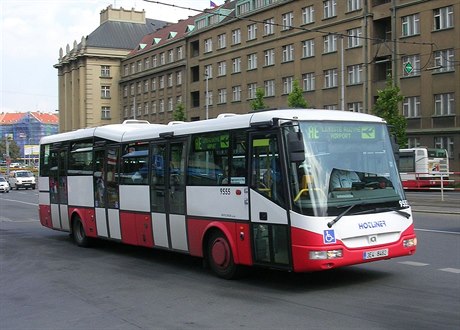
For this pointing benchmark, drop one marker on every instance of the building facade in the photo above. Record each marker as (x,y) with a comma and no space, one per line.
(340,52)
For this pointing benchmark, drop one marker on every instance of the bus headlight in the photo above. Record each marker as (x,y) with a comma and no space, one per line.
(411,242)
(323,255)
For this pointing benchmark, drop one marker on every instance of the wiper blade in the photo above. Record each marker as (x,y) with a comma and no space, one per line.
(385,209)
(332,222)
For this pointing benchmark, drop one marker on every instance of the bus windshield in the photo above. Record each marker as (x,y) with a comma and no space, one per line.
(346,163)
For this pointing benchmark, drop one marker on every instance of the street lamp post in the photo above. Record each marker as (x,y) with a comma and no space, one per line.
(207,97)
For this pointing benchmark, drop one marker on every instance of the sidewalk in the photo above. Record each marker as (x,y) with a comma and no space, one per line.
(450,204)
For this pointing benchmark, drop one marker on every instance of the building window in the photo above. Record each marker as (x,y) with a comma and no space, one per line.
(252,61)
(170,80)
(170,56)
(410,25)
(222,68)
(444,104)
(308,48)
(139,110)
(146,108)
(252,91)
(178,78)
(154,84)
(443,18)
(445,142)
(208,45)
(139,87)
(329,8)
(154,61)
(269,86)
(411,107)
(105,92)
(444,60)
(354,38)
(236,36)
(236,93)
(330,78)
(355,107)
(162,59)
(222,96)
(355,74)
(288,21)
(288,53)
(221,41)
(208,71)
(133,68)
(170,104)
(180,53)
(287,84)
(269,26)
(252,31)
(236,65)
(139,66)
(413,142)
(126,69)
(308,80)
(161,106)
(269,57)
(146,86)
(353,5)
(154,107)
(105,113)
(125,112)
(147,63)
(330,43)
(105,71)
(161,83)
(411,65)
(125,91)
(308,15)
(132,89)
(330,107)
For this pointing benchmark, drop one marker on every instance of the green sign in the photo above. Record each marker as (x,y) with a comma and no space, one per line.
(408,67)
(215,142)
(341,132)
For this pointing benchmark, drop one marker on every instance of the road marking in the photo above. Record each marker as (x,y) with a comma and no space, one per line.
(451,270)
(3,219)
(439,231)
(13,200)
(413,263)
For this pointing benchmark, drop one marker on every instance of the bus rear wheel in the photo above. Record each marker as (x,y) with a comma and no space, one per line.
(220,256)
(78,233)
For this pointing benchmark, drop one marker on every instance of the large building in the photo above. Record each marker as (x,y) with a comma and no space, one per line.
(89,72)
(341,53)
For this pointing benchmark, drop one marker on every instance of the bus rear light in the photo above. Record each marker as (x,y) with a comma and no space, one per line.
(407,243)
(323,255)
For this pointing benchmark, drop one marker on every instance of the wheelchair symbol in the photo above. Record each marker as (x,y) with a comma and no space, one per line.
(329,237)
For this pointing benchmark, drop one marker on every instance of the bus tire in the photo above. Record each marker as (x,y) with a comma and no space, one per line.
(78,233)
(220,256)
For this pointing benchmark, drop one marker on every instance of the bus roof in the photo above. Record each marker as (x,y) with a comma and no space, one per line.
(142,131)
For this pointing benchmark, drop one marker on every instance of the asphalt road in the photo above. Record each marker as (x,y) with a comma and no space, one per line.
(46,282)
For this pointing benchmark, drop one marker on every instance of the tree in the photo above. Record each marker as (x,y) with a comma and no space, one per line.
(258,103)
(295,98)
(179,113)
(14,150)
(387,108)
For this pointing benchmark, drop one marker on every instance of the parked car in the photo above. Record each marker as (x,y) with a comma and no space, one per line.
(22,179)
(4,185)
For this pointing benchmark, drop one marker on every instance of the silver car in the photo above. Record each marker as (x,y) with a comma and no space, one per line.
(4,185)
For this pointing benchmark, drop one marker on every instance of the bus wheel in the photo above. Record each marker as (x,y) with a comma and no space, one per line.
(220,256)
(78,233)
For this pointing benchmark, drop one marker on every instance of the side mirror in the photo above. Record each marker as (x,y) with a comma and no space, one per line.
(296,148)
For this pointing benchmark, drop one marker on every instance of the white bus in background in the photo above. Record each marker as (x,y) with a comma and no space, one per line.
(237,191)
(422,167)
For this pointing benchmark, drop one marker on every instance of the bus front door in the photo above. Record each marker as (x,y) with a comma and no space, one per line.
(269,217)
(167,194)
(58,188)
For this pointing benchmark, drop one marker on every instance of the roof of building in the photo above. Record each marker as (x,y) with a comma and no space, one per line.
(121,35)
(10,118)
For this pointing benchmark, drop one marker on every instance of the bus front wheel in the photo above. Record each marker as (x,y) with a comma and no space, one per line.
(78,233)
(220,256)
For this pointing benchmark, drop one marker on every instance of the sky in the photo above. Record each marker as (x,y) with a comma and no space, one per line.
(33,31)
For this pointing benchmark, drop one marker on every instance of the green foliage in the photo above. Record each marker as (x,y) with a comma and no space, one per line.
(295,98)
(179,113)
(14,150)
(258,103)
(387,108)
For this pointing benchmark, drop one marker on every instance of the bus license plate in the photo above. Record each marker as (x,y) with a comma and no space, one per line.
(375,254)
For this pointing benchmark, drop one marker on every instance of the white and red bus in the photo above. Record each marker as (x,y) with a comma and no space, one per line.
(241,190)
(423,167)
